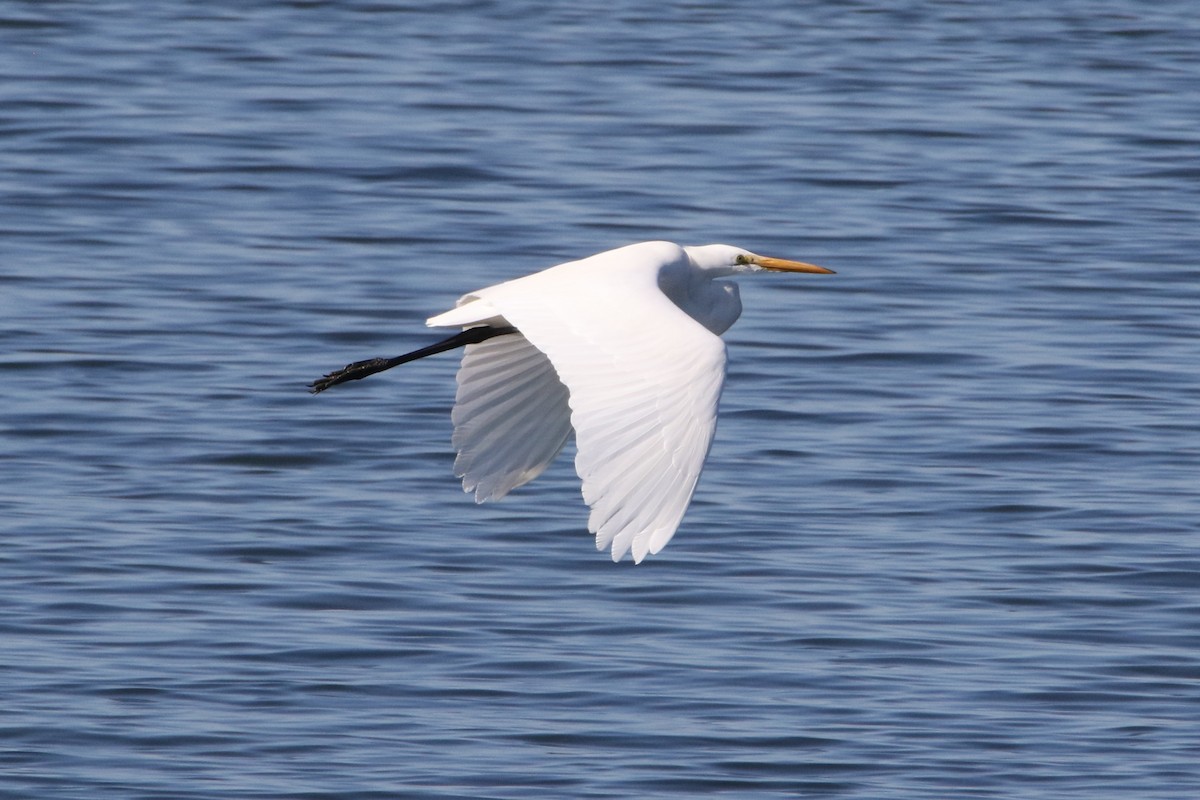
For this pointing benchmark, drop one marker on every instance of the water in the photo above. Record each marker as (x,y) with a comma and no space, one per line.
(947,541)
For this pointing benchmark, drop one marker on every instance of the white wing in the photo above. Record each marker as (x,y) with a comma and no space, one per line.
(644,381)
(510,416)
(643,432)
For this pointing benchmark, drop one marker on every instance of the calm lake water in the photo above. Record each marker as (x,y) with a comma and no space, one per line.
(947,544)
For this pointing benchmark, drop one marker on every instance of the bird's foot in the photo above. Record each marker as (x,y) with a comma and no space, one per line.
(350,372)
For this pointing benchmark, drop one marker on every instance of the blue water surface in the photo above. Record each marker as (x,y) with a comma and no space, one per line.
(947,544)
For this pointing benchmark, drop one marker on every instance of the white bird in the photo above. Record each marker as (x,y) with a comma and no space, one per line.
(624,348)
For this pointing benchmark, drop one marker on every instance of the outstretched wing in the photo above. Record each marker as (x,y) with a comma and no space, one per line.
(644,380)
(643,432)
(510,416)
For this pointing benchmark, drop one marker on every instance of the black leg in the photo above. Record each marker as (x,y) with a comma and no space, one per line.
(361,369)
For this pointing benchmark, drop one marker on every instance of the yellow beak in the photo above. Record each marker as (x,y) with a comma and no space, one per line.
(782,265)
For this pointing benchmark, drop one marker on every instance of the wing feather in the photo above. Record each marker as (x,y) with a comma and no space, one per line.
(510,416)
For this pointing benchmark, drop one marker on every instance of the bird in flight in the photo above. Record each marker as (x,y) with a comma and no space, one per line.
(624,349)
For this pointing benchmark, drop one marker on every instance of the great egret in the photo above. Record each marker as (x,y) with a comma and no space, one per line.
(624,348)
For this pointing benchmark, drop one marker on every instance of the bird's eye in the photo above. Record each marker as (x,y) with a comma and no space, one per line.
(741,259)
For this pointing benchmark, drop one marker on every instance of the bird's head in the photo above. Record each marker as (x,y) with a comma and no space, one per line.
(722,260)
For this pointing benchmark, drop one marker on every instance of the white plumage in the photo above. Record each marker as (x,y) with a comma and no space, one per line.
(510,416)
(622,347)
